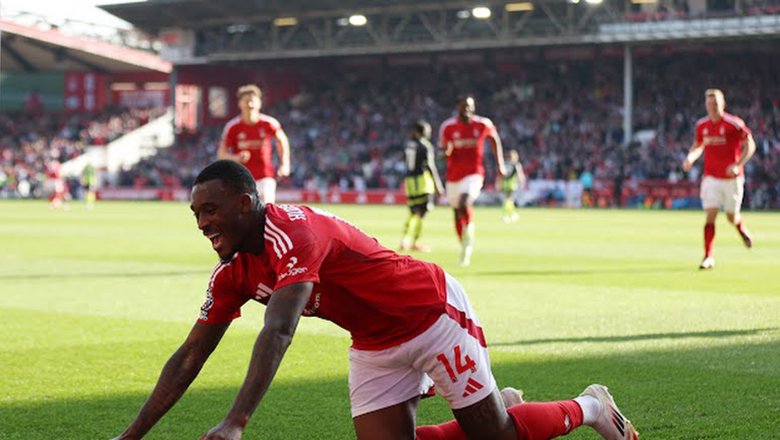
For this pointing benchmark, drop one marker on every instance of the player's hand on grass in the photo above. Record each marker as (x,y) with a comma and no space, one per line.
(224,431)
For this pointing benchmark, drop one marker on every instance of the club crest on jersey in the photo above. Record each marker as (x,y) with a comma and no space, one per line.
(722,130)
(242,135)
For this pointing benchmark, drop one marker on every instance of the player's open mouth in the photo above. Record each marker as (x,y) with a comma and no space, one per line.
(215,240)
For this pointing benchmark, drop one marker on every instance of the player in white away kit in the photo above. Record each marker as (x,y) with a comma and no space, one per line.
(411,326)
(463,138)
(727,144)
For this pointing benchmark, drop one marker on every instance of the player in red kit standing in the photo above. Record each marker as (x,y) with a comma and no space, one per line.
(462,137)
(411,325)
(246,139)
(55,184)
(727,144)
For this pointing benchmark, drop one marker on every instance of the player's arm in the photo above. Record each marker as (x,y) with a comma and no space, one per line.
(224,153)
(696,150)
(748,149)
(434,171)
(281,319)
(283,149)
(521,179)
(446,144)
(448,147)
(176,376)
(498,151)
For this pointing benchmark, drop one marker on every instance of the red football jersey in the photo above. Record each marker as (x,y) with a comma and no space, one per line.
(722,142)
(53,170)
(256,138)
(380,297)
(468,145)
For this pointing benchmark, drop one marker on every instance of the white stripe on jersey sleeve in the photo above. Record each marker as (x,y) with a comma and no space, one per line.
(230,125)
(281,233)
(279,241)
(270,120)
(264,288)
(273,242)
(734,120)
(217,269)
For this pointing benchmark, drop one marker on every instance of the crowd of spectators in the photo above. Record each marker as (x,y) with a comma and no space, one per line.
(31,139)
(347,126)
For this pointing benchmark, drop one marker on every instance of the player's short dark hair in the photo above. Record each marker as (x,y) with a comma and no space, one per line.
(420,125)
(231,173)
(462,98)
(249,89)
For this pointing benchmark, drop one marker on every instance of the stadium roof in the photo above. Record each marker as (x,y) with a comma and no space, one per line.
(30,49)
(153,15)
(204,31)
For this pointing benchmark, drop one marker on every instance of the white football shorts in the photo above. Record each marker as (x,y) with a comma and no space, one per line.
(55,186)
(722,193)
(266,187)
(471,185)
(452,354)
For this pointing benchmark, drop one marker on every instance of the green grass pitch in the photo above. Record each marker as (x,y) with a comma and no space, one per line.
(93,303)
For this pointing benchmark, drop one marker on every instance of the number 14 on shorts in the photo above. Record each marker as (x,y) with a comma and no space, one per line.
(462,364)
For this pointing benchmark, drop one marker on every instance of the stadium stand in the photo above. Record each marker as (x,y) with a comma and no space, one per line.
(557,101)
(30,141)
(58,99)
(346,127)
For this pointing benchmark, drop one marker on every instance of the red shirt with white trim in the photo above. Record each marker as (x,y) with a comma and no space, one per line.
(468,140)
(722,142)
(256,138)
(53,170)
(382,298)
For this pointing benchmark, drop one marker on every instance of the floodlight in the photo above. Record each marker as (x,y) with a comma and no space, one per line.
(481,12)
(519,7)
(285,21)
(358,20)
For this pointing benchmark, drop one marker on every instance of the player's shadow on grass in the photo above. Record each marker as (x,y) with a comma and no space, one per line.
(572,272)
(668,394)
(643,337)
(50,276)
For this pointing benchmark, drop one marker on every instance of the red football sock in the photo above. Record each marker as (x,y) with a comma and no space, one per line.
(446,431)
(545,420)
(459,225)
(533,421)
(709,235)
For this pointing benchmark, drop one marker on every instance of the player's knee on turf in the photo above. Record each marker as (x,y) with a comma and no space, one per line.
(486,420)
